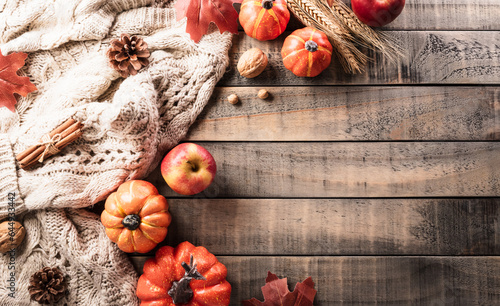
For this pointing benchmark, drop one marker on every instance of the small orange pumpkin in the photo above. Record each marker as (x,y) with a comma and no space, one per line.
(307,52)
(264,19)
(136,217)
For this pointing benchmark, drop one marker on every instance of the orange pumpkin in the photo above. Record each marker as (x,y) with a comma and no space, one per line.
(186,275)
(136,217)
(307,52)
(264,19)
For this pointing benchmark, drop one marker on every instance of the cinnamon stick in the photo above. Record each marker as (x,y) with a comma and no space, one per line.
(69,139)
(58,130)
(38,152)
(71,129)
(60,145)
(69,132)
(29,165)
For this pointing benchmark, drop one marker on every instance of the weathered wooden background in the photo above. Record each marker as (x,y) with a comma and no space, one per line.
(384,186)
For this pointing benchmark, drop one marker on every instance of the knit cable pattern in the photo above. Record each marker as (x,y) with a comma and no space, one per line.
(96,271)
(129,124)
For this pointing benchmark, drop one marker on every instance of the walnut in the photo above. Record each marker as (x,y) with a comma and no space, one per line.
(11,235)
(252,63)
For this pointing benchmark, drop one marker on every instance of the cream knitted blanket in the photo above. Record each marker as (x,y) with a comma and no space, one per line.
(128,126)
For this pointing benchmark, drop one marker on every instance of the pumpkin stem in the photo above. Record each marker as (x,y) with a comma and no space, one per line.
(267,4)
(311,46)
(180,292)
(131,222)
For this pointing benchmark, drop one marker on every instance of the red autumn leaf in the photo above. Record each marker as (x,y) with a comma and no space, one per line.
(304,293)
(200,13)
(10,82)
(276,293)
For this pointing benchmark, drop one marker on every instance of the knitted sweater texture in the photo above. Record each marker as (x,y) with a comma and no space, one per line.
(129,124)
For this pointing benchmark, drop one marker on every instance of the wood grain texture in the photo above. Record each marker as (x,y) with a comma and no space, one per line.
(337,226)
(372,280)
(326,113)
(311,170)
(439,15)
(317,194)
(453,57)
(447,15)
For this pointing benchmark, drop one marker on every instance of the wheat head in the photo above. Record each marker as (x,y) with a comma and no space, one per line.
(310,14)
(364,35)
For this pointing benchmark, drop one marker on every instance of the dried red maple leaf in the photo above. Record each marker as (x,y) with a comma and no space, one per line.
(10,82)
(276,293)
(200,13)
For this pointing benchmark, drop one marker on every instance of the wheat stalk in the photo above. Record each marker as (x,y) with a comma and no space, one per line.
(311,14)
(345,31)
(366,36)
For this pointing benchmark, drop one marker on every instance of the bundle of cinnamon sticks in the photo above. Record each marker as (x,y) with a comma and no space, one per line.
(50,144)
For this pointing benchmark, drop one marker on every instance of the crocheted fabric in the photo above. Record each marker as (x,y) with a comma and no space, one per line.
(72,240)
(128,124)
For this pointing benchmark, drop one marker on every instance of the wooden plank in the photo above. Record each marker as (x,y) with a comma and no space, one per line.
(440,15)
(337,227)
(313,170)
(325,113)
(372,280)
(431,58)
(448,15)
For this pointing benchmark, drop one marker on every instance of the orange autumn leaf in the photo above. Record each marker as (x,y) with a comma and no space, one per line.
(10,82)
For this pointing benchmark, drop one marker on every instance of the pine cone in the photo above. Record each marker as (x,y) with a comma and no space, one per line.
(128,54)
(47,286)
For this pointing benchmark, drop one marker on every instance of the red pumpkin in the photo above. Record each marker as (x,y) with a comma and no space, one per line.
(307,52)
(185,275)
(136,217)
(264,19)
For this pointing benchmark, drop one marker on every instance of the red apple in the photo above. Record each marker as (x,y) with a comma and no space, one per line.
(377,13)
(188,168)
